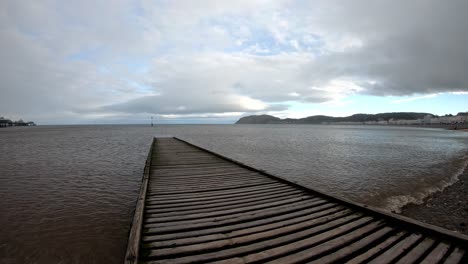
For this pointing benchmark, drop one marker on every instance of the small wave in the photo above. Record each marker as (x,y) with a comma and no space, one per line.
(396,203)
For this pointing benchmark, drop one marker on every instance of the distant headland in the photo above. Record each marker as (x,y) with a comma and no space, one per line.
(398,118)
(9,123)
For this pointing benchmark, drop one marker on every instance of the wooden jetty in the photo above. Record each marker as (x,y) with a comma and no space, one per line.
(196,206)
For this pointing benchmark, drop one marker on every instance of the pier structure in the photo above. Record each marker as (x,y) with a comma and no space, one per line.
(196,206)
(8,123)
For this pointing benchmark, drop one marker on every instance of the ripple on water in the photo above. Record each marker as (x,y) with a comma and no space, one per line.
(67,194)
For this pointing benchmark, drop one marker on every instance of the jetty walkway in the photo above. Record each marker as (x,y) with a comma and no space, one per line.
(196,206)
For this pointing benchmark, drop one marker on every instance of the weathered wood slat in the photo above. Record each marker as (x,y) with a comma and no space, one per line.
(417,252)
(167,199)
(394,252)
(218,198)
(188,185)
(245,234)
(456,256)
(357,246)
(377,249)
(245,228)
(436,254)
(307,253)
(244,189)
(202,166)
(221,188)
(206,177)
(195,174)
(289,249)
(196,206)
(204,187)
(224,212)
(262,250)
(218,207)
(224,204)
(234,218)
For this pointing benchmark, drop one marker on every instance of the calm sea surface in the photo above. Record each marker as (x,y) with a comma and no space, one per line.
(67,193)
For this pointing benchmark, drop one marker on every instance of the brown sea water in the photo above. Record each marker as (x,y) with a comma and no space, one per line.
(67,193)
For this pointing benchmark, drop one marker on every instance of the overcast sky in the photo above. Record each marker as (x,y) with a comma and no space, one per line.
(214,61)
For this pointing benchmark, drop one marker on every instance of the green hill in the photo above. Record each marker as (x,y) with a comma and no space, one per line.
(318,119)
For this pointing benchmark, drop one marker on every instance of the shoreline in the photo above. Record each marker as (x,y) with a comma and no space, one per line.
(447,208)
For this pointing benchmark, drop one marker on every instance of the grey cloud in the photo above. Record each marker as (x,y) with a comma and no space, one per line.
(165,105)
(36,84)
(410,47)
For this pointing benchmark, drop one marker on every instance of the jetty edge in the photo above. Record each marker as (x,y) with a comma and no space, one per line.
(133,244)
(197,206)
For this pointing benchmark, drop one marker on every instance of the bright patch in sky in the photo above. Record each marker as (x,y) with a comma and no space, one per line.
(214,61)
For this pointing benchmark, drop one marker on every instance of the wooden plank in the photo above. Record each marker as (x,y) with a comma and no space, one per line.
(210,200)
(193,175)
(455,257)
(156,203)
(180,167)
(219,207)
(195,171)
(396,250)
(205,187)
(362,258)
(260,250)
(198,171)
(216,203)
(192,184)
(162,158)
(223,188)
(208,180)
(307,253)
(189,186)
(208,223)
(417,252)
(250,227)
(307,242)
(187,153)
(190,164)
(206,177)
(239,191)
(357,246)
(156,218)
(436,254)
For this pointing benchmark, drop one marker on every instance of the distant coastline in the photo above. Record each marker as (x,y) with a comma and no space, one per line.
(459,121)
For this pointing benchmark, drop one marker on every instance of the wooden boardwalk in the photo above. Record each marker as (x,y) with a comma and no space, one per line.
(196,206)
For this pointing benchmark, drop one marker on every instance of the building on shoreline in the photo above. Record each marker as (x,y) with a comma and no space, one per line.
(460,118)
(8,123)
(5,122)
(449,121)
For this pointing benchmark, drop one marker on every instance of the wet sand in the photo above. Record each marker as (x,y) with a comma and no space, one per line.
(447,209)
